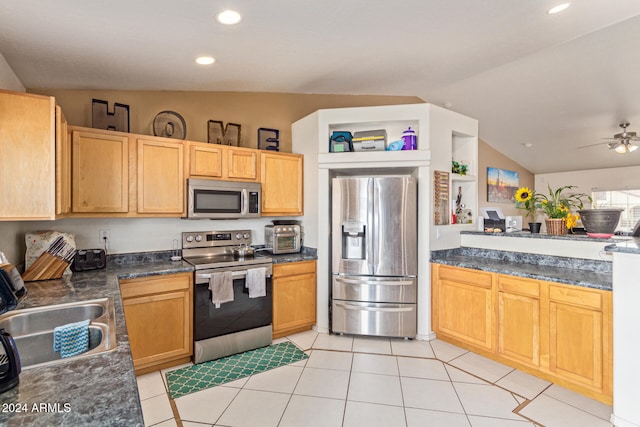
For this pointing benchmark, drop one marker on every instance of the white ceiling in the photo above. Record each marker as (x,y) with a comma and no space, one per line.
(555,81)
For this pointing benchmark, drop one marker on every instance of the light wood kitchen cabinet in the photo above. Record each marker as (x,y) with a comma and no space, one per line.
(519,319)
(223,162)
(558,332)
(242,164)
(63,164)
(159,315)
(462,305)
(160,176)
(205,160)
(27,163)
(100,172)
(580,335)
(281,176)
(294,297)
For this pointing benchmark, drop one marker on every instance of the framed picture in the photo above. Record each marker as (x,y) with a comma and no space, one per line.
(502,185)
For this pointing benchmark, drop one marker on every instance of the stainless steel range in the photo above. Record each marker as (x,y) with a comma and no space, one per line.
(244,322)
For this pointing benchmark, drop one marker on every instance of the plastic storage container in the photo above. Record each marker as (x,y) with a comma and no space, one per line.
(410,139)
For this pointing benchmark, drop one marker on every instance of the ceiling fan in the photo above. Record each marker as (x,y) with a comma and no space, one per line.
(623,142)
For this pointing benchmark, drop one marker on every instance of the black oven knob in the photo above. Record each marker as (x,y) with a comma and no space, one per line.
(198,238)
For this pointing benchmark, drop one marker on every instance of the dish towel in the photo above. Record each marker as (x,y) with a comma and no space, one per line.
(255,282)
(221,287)
(71,339)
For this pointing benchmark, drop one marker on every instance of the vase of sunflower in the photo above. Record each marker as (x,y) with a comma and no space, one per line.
(529,201)
(558,206)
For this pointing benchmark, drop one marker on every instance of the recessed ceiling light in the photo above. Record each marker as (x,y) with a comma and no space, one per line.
(205,60)
(558,8)
(229,17)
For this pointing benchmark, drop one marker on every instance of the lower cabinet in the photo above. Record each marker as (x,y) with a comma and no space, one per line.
(558,332)
(294,297)
(159,315)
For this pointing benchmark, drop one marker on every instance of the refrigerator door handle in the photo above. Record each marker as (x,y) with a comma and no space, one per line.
(373,221)
(347,306)
(375,282)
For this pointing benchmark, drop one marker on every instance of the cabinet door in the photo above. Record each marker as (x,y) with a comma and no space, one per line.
(242,163)
(63,164)
(464,305)
(158,312)
(161,181)
(294,297)
(205,160)
(100,172)
(519,320)
(27,169)
(576,341)
(281,176)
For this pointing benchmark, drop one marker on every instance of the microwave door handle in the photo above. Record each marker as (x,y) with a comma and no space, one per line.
(245,202)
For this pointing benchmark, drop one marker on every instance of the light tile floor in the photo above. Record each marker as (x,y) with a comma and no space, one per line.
(373,382)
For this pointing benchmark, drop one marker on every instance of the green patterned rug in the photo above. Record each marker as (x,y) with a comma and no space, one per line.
(216,372)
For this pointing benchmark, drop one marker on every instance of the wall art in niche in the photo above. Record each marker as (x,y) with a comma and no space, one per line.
(502,185)
(169,124)
(228,134)
(440,198)
(102,118)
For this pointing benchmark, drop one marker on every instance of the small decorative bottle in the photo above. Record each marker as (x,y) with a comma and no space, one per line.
(409,138)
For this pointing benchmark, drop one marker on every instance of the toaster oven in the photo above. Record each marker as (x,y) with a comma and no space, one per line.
(283,239)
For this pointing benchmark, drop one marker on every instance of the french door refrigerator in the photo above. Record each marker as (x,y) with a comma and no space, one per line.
(374,255)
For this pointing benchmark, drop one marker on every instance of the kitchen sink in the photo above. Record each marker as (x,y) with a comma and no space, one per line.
(32,329)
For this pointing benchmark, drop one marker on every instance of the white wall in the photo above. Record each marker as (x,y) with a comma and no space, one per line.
(127,234)
(589,180)
(8,79)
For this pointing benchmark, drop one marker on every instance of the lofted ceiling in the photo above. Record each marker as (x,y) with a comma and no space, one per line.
(555,82)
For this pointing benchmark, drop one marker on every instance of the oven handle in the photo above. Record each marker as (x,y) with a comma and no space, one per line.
(236,274)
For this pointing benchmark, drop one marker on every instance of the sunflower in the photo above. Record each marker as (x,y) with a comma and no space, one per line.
(523,194)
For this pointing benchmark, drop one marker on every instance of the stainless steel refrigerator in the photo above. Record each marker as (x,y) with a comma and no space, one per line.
(374,255)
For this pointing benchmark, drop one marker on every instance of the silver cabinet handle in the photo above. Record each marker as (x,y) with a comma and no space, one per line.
(381,309)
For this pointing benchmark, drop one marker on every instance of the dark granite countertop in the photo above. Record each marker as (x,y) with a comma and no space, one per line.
(95,390)
(570,271)
(629,247)
(306,254)
(529,235)
(100,389)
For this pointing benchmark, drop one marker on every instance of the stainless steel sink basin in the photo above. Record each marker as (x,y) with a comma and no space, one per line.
(32,329)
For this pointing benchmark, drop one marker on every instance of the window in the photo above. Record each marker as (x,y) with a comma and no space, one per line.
(627,199)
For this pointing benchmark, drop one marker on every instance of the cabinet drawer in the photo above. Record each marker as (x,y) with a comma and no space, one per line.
(465,275)
(584,298)
(154,285)
(293,268)
(516,285)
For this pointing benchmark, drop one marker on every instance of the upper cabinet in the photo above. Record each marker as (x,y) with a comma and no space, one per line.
(27,157)
(100,172)
(281,176)
(161,178)
(222,162)
(63,165)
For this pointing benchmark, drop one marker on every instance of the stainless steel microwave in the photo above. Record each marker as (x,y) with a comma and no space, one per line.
(211,199)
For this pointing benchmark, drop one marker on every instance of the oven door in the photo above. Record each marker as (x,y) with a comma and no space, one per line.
(241,314)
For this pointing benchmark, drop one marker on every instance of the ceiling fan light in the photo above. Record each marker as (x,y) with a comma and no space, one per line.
(621,149)
(632,147)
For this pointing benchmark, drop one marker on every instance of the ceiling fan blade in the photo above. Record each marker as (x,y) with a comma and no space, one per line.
(593,145)
(614,144)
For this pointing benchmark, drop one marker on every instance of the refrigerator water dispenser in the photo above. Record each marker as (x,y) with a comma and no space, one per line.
(353,240)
